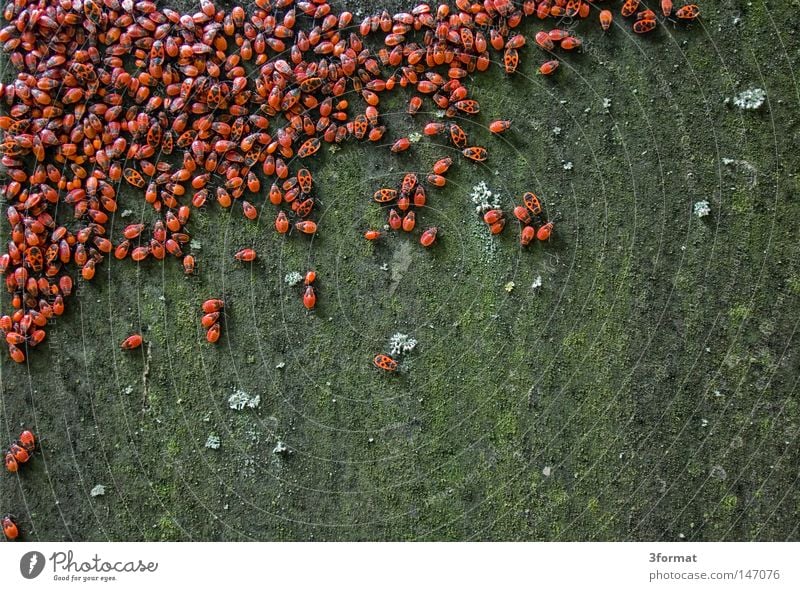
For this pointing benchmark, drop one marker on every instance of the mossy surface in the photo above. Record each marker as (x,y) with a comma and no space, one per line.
(646,391)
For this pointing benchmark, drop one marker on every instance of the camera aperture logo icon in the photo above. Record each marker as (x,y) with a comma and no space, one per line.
(31,564)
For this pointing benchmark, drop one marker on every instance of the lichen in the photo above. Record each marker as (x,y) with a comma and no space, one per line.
(702,209)
(293,278)
(240,400)
(400,344)
(750,99)
(483,198)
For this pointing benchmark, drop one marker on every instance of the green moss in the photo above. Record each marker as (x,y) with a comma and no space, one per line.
(729,503)
(739,313)
(604,373)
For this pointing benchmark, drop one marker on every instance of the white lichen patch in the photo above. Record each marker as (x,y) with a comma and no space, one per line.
(483,198)
(537,283)
(400,344)
(240,400)
(509,287)
(750,99)
(280,448)
(293,278)
(414,137)
(213,442)
(98,491)
(702,209)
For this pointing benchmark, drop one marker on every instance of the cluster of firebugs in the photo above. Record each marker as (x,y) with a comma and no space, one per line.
(204,107)
(18,454)
(198,108)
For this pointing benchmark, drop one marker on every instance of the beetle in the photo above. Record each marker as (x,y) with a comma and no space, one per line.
(476,153)
(403,202)
(309,297)
(360,126)
(522,214)
(306,226)
(409,221)
(497,227)
(499,126)
(188,264)
(11,462)
(281,223)
(440,167)
(213,305)
(385,195)
(457,136)
(384,362)
(510,60)
(133,177)
(304,180)
(532,202)
(408,184)
(245,255)
(469,106)
(428,237)
(643,26)
(20,454)
(492,216)
(310,146)
(303,208)
(394,219)
(688,12)
(544,41)
(548,67)
(545,232)
(527,235)
(208,320)
(629,7)
(212,335)
(132,342)
(10,528)
(401,145)
(606,19)
(27,440)
(34,258)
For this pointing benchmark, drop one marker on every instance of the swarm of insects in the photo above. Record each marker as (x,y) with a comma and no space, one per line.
(20,451)
(212,319)
(309,293)
(209,107)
